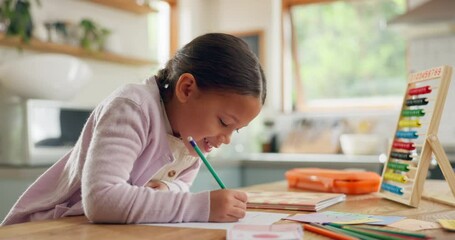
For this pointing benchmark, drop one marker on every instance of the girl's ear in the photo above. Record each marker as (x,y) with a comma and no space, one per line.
(185,87)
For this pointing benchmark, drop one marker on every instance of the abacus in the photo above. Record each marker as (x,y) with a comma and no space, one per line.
(415,140)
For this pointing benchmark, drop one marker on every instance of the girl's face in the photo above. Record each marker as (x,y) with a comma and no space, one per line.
(209,117)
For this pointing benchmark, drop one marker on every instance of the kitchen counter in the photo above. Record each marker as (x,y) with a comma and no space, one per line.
(21,172)
(267,167)
(253,159)
(280,158)
(239,171)
(13,182)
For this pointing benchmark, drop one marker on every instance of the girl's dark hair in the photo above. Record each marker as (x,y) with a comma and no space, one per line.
(218,62)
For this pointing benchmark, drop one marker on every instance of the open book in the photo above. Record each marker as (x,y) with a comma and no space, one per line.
(303,201)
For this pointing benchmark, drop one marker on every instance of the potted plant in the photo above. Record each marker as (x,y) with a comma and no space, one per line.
(17,19)
(93,36)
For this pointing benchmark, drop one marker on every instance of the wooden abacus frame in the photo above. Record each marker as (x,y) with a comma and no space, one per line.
(431,144)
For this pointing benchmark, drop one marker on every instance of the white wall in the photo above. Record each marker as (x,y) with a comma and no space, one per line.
(431,51)
(234,16)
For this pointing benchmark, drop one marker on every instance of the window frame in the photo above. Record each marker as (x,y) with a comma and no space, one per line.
(289,57)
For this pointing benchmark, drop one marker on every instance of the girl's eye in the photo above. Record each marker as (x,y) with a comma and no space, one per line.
(223,123)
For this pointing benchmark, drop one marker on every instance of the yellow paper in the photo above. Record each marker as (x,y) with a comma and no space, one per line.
(360,221)
(414,225)
(447,224)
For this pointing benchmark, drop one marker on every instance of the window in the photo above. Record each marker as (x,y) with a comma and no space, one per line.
(345,55)
(159,31)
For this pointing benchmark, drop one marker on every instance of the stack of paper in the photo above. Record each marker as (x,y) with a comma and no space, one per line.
(302,201)
(261,218)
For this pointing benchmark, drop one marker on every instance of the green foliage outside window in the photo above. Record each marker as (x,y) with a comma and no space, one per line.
(347,51)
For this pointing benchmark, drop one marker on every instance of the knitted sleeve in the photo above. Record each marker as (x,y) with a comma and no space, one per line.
(120,133)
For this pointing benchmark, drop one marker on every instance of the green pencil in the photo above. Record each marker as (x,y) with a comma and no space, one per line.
(411,234)
(212,171)
(342,231)
(347,232)
(371,234)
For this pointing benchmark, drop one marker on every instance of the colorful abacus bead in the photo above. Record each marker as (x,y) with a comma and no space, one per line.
(392,188)
(419,90)
(403,145)
(395,177)
(407,134)
(401,155)
(398,166)
(413,113)
(409,123)
(416,102)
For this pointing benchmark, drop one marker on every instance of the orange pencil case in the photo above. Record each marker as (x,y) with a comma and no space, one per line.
(330,180)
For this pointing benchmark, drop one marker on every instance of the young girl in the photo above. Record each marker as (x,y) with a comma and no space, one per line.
(130,164)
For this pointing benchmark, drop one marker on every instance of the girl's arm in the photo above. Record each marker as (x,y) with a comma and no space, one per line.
(120,133)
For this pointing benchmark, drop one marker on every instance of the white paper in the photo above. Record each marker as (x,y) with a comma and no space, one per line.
(257,218)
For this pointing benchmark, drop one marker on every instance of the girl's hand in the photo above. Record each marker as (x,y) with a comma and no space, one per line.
(227,205)
(157,185)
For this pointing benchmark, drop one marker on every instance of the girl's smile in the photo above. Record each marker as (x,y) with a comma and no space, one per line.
(208,116)
(208,146)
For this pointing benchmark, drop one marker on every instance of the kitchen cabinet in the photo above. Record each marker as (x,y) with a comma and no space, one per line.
(428,19)
(434,172)
(258,168)
(13,182)
(268,167)
(428,12)
(126,5)
(229,171)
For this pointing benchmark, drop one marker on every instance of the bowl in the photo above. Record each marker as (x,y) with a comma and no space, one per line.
(360,144)
(45,76)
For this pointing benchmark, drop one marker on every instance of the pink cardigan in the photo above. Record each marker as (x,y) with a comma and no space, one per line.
(123,144)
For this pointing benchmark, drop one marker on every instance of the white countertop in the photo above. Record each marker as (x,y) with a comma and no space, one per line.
(289,157)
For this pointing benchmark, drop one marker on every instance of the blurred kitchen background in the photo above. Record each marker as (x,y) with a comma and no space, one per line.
(336,75)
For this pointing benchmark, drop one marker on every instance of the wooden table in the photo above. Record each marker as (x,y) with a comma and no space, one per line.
(80,228)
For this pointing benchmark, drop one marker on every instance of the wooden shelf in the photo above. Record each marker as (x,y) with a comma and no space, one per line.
(37,45)
(126,5)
